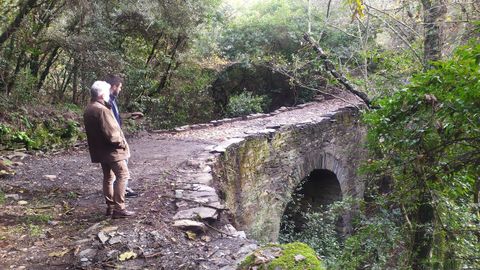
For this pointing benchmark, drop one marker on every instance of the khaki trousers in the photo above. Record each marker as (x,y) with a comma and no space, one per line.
(115,194)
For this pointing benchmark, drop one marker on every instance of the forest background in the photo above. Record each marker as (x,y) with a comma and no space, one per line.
(192,61)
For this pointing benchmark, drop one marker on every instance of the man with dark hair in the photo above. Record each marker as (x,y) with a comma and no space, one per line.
(107,146)
(116,83)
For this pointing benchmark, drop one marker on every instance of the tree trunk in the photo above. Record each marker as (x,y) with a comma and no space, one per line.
(173,53)
(12,79)
(46,70)
(423,239)
(434,12)
(75,82)
(153,51)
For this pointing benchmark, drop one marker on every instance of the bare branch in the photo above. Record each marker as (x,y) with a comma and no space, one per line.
(401,37)
(330,68)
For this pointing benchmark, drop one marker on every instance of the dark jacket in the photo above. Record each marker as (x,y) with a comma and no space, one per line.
(106,141)
(116,112)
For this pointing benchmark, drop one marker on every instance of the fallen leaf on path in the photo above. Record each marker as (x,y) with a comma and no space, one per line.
(5,172)
(191,235)
(109,229)
(58,253)
(127,256)
(206,238)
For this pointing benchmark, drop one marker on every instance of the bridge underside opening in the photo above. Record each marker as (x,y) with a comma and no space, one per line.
(309,201)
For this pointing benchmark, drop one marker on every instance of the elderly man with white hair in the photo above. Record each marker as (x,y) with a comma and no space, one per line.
(107,146)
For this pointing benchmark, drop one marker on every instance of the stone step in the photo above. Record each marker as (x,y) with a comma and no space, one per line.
(197,212)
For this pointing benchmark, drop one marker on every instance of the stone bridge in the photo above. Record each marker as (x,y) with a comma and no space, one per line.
(255,165)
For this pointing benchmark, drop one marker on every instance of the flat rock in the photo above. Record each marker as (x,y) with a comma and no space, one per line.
(103,237)
(233,232)
(16,197)
(222,147)
(205,178)
(92,228)
(246,249)
(202,188)
(203,196)
(87,253)
(187,224)
(299,257)
(197,212)
(114,240)
(109,229)
(50,177)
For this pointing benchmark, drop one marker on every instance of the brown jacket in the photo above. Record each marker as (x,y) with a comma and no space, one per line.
(106,141)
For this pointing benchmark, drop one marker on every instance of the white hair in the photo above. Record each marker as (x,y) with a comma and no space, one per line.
(99,88)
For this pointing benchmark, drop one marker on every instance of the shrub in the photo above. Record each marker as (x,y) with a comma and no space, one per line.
(38,134)
(245,104)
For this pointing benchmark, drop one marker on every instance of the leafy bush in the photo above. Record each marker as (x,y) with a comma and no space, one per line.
(38,134)
(425,138)
(186,101)
(377,242)
(245,104)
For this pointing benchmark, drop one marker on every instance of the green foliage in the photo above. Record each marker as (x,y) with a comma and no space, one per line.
(244,104)
(425,138)
(22,138)
(23,92)
(38,134)
(389,70)
(188,102)
(318,230)
(378,241)
(35,230)
(286,260)
(37,219)
(72,195)
(266,28)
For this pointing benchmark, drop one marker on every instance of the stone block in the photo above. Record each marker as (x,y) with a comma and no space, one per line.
(197,212)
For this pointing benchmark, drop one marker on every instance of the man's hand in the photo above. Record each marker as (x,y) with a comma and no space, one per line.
(133,115)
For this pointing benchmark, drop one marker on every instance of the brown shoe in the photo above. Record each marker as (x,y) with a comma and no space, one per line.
(122,214)
(109,211)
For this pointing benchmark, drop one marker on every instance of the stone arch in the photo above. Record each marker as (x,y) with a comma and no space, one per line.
(316,160)
(321,188)
(315,193)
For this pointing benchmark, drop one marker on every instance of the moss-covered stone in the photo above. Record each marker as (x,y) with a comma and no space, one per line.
(292,256)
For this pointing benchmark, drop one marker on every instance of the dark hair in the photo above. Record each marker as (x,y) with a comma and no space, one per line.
(114,80)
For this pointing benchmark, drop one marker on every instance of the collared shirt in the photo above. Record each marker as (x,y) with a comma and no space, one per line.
(116,113)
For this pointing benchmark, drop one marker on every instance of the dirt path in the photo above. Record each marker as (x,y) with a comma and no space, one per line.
(53,216)
(60,207)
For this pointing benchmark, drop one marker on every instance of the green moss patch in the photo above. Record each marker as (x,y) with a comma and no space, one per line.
(292,256)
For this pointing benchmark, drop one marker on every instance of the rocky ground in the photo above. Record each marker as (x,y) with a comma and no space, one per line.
(52,216)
